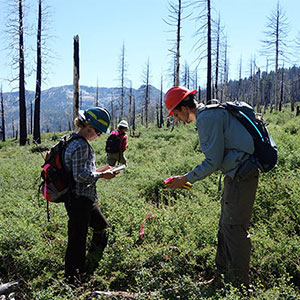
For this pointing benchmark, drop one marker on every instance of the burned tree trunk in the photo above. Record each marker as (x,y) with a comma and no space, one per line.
(281,90)
(161,114)
(76,78)
(22,102)
(37,100)
(2,116)
(208,84)
(133,114)
(258,92)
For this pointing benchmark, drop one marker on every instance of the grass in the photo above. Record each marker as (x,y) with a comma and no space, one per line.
(179,244)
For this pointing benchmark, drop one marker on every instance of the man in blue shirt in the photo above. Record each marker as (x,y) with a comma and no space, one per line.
(227,146)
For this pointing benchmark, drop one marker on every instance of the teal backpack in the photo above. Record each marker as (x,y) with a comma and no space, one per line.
(266,152)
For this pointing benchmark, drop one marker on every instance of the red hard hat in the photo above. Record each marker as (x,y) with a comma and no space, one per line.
(175,95)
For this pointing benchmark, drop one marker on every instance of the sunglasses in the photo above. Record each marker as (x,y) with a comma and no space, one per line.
(98,132)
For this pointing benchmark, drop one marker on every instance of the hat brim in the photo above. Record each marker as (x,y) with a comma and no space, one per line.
(81,115)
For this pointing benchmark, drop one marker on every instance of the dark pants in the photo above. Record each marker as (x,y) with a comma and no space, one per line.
(83,213)
(234,245)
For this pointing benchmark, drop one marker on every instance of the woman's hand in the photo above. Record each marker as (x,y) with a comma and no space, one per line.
(109,174)
(103,168)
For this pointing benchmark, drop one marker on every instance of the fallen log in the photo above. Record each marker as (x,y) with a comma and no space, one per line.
(7,287)
(120,294)
(131,295)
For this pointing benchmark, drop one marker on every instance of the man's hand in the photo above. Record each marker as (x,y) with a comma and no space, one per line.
(177,182)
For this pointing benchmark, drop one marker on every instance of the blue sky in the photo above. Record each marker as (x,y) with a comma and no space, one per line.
(103,27)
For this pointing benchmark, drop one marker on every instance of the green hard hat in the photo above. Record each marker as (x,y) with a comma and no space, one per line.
(98,118)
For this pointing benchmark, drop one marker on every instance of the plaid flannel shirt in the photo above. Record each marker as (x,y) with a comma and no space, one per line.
(80,159)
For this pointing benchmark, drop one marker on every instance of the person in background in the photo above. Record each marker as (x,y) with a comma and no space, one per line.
(82,208)
(168,122)
(116,145)
(227,146)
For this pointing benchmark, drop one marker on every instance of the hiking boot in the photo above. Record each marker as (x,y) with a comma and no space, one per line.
(74,281)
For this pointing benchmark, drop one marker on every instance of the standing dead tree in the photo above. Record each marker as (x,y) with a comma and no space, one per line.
(204,33)
(186,75)
(195,79)
(224,72)
(275,44)
(281,89)
(69,113)
(112,112)
(252,81)
(161,114)
(122,70)
(267,87)
(239,93)
(157,114)
(146,81)
(297,44)
(37,100)
(219,40)
(30,123)
(97,95)
(76,78)
(174,20)
(41,54)
(22,101)
(2,116)
(133,115)
(80,100)
(15,29)
(130,107)
(258,98)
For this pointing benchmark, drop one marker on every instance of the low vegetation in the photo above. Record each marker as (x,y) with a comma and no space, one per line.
(179,243)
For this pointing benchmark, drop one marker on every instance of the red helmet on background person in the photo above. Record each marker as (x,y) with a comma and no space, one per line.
(175,95)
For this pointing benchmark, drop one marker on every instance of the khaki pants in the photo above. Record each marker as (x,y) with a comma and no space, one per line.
(234,245)
(113,158)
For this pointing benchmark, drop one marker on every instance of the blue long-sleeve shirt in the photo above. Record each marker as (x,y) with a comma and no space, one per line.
(224,141)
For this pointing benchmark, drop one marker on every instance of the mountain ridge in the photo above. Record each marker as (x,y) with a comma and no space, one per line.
(57,104)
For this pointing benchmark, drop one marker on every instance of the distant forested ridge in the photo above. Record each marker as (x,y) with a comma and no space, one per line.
(289,83)
(56,102)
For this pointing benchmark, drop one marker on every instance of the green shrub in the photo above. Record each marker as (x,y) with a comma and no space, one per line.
(179,243)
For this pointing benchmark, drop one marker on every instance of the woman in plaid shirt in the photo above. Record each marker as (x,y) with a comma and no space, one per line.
(82,208)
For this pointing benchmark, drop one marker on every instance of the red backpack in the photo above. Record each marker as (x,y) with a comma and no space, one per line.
(56,180)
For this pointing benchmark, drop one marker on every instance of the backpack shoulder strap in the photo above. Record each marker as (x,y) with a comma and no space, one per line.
(67,141)
(241,107)
(75,137)
(214,104)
